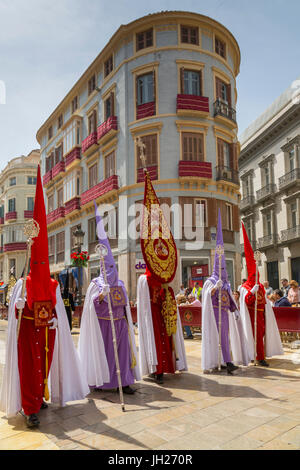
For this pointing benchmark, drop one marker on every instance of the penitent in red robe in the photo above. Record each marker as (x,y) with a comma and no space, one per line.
(32,360)
(261,328)
(163,342)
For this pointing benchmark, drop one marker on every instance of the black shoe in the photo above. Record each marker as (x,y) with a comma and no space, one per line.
(159,379)
(128,390)
(44,406)
(263,363)
(231,367)
(190,337)
(32,420)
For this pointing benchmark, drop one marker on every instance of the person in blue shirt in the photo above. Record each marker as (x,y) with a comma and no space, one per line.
(281,300)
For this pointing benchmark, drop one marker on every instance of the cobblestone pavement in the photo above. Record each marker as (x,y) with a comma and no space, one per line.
(254,409)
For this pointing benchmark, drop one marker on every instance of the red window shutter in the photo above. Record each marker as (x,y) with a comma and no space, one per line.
(211,212)
(220,150)
(235,218)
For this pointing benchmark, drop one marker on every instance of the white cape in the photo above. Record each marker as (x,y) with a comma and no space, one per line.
(273,345)
(147,348)
(91,346)
(210,334)
(66,378)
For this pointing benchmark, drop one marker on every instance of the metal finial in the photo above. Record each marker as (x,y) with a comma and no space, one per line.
(31,229)
(101,250)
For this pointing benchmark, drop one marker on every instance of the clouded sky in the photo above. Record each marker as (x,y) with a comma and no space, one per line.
(46,45)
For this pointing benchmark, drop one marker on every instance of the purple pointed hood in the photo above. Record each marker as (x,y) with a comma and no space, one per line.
(110,265)
(215,274)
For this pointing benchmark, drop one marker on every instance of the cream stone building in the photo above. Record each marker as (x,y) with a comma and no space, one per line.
(269,167)
(17,192)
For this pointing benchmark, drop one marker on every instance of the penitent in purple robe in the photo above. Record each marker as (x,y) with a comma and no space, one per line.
(122,335)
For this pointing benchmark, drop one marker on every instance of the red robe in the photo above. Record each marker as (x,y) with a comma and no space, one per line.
(261,302)
(32,360)
(163,342)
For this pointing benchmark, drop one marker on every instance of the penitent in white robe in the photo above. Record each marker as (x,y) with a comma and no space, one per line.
(210,335)
(66,377)
(91,345)
(273,345)
(147,348)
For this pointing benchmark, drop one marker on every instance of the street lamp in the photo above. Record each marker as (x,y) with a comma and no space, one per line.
(79,237)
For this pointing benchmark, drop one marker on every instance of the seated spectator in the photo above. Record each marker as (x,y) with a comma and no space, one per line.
(268,288)
(193,301)
(280,301)
(294,293)
(181,299)
(236,296)
(272,299)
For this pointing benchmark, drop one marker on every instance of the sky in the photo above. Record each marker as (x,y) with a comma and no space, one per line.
(46,45)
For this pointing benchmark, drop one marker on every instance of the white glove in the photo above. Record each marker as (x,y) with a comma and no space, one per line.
(254,289)
(54,322)
(20,304)
(106,289)
(219,284)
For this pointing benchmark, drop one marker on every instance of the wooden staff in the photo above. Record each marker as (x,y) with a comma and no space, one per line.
(220,252)
(102,252)
(257,256)
(31,230)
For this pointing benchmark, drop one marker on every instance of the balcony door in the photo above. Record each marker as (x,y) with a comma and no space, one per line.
(273,276)
(295,266)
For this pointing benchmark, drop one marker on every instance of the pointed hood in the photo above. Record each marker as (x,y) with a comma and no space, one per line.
(250,261)
(215,274)
(39,285)
(110,265)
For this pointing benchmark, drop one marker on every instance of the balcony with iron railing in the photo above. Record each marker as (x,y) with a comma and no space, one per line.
(107,129)
(186,103)
(291,234)
(247,202)
(289,179)
(267,241)
(225,173)
(267,191)
(104,187)
(194,169)
(221,108)
(89,144)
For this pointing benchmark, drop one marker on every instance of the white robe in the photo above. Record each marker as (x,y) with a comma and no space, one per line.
(66,379)
(210,334)
(91,345)
(147,347)
(273,345)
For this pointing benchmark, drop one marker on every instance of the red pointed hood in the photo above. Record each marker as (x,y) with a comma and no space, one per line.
(250,261)
(39,285)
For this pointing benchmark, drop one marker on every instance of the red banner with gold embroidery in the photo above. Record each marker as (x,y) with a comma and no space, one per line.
(157,242)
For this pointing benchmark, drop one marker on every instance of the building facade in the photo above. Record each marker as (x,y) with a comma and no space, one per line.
(17,193)
(169,79)
(270,177)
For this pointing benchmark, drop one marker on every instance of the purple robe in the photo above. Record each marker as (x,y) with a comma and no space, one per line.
(122,336)
(227,304)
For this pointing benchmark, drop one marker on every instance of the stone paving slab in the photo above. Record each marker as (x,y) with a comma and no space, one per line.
(254,409)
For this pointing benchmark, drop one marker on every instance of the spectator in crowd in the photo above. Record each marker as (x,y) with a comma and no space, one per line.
(182,300)
(285,287)
(197,290)
(268,288)
(294,294)
(192,300)
(236,296)
(280,299)
(272,298)
(182,290)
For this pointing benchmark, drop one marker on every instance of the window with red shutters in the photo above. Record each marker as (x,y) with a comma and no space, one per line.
(109,106)
(110,166)
(220,47)
(192,147)
(223,91)
(150,151)
(144,39)
(92,84)
(189,35)
(92,122)
(108,66)
(93,175)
